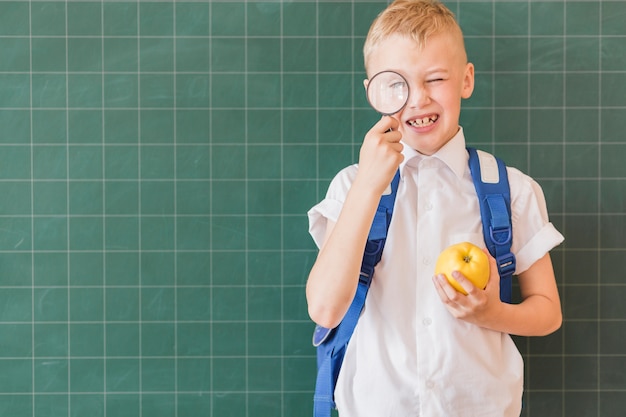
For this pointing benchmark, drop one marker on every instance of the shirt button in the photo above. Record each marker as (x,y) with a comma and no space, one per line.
(427,321)
(426,260)
(430,384)
(428,206)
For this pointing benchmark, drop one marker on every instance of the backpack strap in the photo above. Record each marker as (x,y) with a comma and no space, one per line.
(492,186)
(331,343)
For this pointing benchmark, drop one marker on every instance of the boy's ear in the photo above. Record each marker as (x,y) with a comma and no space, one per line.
(366,83)
(468,81)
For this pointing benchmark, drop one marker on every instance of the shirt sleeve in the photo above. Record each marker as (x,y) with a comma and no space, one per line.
(330,207)
(533,233)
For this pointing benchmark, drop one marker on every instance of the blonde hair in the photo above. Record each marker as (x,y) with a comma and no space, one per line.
(415,19)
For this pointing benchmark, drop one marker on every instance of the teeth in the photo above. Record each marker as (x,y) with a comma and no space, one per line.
(423,121)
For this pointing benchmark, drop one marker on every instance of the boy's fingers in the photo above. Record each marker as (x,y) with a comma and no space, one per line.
(388,123)
(445,289)
(393,136)
(467,285)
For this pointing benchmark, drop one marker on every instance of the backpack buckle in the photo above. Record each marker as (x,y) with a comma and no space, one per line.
(506,264)
(364,277)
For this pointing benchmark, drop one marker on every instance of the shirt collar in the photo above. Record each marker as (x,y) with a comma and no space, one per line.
(453,154)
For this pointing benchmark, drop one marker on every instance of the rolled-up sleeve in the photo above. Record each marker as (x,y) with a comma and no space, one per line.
(319,216)
(330,207)
(533,233)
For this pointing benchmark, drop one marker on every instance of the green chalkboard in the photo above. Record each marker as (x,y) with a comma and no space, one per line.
(157,159)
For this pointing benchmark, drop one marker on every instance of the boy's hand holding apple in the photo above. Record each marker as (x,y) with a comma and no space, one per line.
(466,258)
(467,281)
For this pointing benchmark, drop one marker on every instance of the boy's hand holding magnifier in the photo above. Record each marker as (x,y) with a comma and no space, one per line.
(381,153)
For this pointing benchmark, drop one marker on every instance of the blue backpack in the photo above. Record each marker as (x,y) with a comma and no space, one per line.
(492,187)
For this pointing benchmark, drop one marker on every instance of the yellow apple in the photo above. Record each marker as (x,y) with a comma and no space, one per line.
(468,259)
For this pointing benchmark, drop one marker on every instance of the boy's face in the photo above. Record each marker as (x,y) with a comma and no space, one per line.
(438,76)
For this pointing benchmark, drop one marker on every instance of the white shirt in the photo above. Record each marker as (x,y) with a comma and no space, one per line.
(408,355)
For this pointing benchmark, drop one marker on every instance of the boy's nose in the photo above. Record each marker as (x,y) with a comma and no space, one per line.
(418,96)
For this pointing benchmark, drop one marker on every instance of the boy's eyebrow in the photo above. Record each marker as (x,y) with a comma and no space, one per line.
(436,70)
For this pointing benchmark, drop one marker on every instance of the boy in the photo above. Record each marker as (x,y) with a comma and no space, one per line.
(421,348)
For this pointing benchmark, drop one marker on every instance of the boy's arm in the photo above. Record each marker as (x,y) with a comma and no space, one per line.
(333,280)
(538,314)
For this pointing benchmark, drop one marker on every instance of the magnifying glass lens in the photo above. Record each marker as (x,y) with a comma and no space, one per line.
(388,92)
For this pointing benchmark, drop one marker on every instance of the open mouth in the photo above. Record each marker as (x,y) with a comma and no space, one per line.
(424,121)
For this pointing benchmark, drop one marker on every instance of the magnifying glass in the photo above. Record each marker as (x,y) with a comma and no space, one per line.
(388,92)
